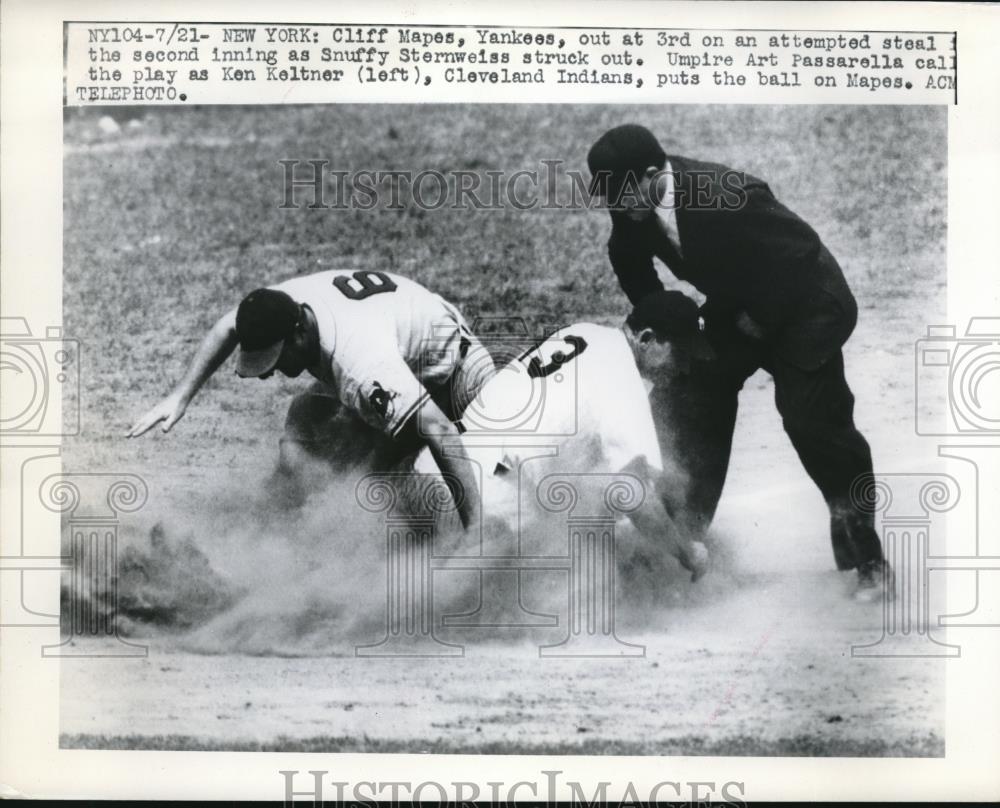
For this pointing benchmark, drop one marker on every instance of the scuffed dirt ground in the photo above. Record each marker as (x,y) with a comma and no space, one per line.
(780,685)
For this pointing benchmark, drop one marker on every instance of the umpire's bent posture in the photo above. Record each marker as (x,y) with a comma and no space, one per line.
(775,298)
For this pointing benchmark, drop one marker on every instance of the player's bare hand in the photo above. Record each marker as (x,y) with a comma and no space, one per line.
(167,412)
(694,558)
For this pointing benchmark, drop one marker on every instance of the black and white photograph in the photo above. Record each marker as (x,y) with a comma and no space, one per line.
(524,428)
(273,356)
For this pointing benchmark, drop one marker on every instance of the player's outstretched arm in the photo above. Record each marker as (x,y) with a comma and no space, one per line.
(218,344)
(446,447)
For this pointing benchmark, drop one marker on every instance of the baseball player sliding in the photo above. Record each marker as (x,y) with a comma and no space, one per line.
(381,348)
(578,403)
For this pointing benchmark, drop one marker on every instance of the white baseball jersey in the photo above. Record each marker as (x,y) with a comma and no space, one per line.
(383,340)
(575,403)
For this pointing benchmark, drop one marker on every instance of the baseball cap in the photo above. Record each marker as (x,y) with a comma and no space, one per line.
(672,315)
(264,320)
(626,149)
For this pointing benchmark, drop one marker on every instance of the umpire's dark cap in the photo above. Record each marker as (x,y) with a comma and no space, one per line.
(624,150)
(264,320)
(672,316)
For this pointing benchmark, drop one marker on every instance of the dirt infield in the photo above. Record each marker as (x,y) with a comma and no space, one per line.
(783,686)
(252,619)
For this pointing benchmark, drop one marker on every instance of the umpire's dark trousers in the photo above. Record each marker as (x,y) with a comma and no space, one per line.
(697,414)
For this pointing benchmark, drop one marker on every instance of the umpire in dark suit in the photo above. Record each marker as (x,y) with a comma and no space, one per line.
(775,298)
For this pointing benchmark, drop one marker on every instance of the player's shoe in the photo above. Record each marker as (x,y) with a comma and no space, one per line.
(876,581)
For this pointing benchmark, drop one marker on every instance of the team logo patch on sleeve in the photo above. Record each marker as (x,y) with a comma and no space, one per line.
(380,400)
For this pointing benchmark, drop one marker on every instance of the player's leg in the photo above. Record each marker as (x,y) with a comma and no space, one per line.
(817,409)
(318,425)
(695,417)
(321,438)
(695,431)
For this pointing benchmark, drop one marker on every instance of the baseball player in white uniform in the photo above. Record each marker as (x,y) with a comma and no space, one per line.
(381,347)
(581,396)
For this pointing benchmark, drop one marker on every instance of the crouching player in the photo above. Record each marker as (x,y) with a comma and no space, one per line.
(381,348)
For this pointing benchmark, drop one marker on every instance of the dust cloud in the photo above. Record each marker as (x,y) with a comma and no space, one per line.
(249,571)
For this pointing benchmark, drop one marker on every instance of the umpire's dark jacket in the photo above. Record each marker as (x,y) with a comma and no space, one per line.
(744,251)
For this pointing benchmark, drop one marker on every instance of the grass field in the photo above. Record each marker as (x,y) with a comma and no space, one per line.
(173,219)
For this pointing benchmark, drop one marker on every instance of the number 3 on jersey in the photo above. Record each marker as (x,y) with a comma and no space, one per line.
(536,370)
(363,284)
